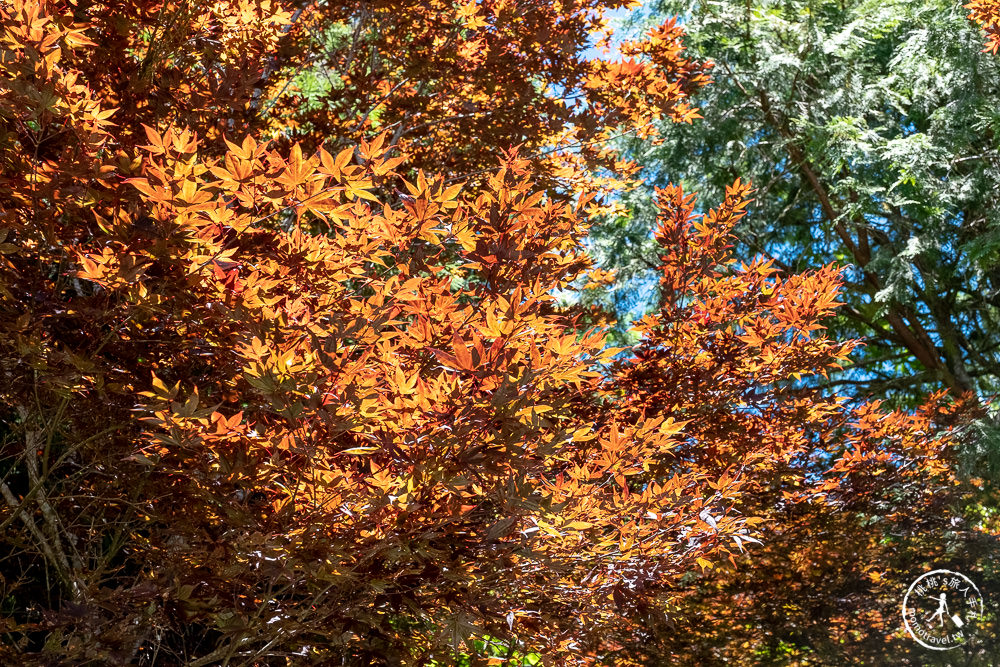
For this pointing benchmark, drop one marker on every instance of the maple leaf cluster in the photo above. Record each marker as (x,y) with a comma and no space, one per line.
(457,80)
(278,384)
(987,14)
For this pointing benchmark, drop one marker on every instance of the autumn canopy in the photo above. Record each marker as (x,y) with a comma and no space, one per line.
(291,371)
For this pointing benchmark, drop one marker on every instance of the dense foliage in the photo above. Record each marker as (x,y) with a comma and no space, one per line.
(285,379)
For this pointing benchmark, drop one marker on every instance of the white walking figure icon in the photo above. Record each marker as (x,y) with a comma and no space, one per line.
(941,610)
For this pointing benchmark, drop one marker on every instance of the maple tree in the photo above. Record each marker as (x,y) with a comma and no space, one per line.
(280,386)
(852,501)
(456,80)
(825,587)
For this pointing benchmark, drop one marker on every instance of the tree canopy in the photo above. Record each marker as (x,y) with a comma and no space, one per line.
(286,378)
